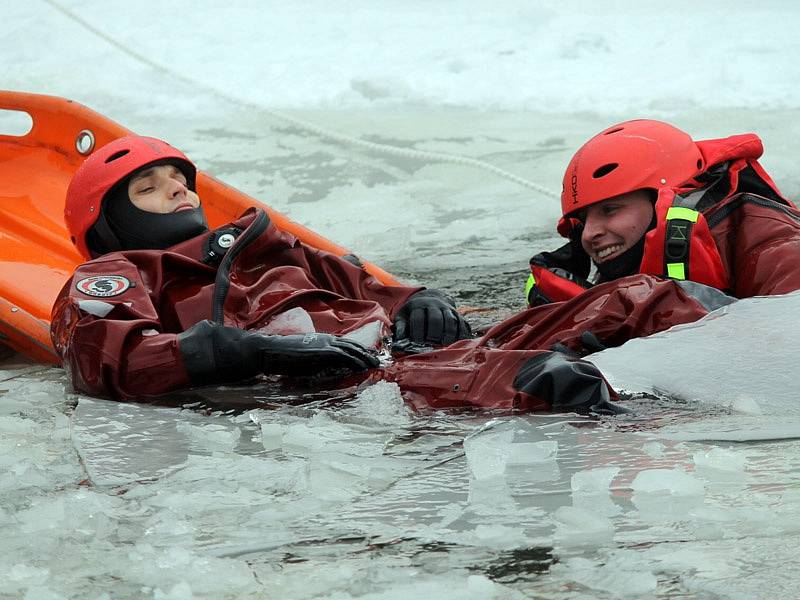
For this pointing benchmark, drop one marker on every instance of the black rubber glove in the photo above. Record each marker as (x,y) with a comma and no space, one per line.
(215,353)
(590,344)
(311,353)
(430,318)
(566,384)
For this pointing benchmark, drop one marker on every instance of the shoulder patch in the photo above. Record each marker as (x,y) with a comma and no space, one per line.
(103,285)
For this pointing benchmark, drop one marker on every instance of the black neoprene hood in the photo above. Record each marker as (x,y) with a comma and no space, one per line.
(123,226)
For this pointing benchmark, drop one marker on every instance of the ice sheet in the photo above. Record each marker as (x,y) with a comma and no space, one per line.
(737,358)
(358,54)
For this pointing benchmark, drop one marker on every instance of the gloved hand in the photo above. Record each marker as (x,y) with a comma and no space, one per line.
(590,344)
(430,318)
(214,353)
(312,353)
(566,384)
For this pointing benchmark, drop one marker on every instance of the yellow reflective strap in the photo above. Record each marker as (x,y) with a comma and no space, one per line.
(676,271)
(679,212)
(529,285)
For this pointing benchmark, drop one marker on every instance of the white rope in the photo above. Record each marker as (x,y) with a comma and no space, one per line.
(300,123)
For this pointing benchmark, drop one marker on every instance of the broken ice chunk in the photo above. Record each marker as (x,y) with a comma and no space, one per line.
(593,481)
(666,493)
(590,490)
(487,452)
(719,459)
(667,481)
(272,435)
(293,321)
(578,527)
(368,335)
(526,453)
(212,436)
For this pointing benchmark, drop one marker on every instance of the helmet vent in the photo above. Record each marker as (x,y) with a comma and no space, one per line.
(116,155)
(604,170)
(615,130)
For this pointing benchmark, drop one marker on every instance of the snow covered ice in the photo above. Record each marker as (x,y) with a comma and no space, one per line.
(305,106)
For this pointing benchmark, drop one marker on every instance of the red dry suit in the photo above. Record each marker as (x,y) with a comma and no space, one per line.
(116,321)
(732,231)
(485,373)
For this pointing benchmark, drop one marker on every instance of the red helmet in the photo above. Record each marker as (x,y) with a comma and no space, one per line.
(634,155)
(105,168)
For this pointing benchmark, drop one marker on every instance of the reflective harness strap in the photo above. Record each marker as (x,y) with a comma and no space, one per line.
(528,287)
(677,241)
(680,220)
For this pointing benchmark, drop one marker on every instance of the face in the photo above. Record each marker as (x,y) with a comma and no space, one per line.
(162,189)
(616,224)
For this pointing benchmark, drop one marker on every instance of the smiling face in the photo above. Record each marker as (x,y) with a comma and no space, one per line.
(616,224)
(161,189)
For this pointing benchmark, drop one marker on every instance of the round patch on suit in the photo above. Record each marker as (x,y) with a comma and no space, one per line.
(103,285)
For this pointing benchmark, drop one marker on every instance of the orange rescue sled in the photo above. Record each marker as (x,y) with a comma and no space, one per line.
(36,255)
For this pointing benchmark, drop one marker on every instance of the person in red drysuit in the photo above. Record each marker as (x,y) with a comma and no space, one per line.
(163,304)
(674,228)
